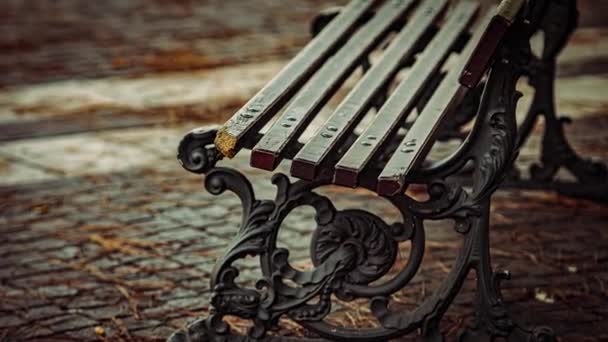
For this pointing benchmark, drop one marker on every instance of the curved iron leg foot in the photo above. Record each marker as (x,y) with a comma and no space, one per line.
(481,333)
(537,334)
(492,317)
(558,22)
(591,176)
(518,334)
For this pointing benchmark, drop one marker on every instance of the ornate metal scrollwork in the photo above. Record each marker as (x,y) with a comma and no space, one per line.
(352,251)
(368,234)
(196,152)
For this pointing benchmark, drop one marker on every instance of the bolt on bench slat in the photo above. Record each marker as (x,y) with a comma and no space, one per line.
(327,140)
(264,105)
(403,99)
(420,137)
(316,92)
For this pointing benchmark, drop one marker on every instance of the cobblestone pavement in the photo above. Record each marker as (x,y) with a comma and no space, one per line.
(103,237)
(127,255)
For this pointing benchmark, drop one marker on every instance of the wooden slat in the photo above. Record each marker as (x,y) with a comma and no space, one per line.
(264,105)
(418,140)
(350,111)
(268,152)
(491,39)
(401,102)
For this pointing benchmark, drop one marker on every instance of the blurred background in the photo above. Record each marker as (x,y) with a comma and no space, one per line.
(104,237)
(46,41)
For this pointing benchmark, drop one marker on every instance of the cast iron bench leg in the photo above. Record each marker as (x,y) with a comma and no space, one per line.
(491,316)
(591,177)
(336,243)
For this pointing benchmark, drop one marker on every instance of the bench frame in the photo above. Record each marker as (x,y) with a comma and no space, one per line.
(342,236)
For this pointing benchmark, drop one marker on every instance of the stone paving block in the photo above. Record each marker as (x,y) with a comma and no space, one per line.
(24,235)
(73,322)
(190,259)
(156,224)
(199,284)
(66,253)
(135,324)
(19,259)
(44,312)
(177,293)
(88,301)
(39,245)
(182,235)
(83,334)
(35,333)
(8,320)
(133,217)
(14,173)
(198,217)
(56,291)
(184,275)
(107,311)
(174,305)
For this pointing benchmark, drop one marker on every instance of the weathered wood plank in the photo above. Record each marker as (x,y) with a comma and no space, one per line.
(401,102)
(264,105)
(350,111)
(491,39)
(268,152)
(418,140)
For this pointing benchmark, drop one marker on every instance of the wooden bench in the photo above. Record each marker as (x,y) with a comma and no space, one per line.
(436,61)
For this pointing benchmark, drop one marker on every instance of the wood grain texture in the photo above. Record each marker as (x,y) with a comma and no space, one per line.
(316,92)
(403,99)
(329,138)
(265,104)
(418,140)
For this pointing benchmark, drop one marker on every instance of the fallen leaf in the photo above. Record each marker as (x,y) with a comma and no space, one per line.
(543,297)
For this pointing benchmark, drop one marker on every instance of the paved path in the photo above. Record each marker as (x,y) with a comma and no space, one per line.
(104,237)
(66,39)
(128,255)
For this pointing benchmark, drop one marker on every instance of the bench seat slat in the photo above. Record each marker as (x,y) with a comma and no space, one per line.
(419,139)
(403,99)
(262,107)
(349,112)
(268,152)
